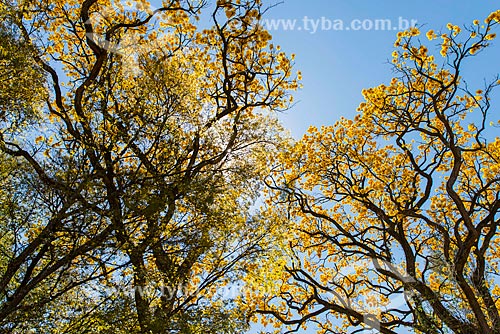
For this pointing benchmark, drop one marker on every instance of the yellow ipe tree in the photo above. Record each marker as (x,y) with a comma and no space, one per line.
(397,211)
(126,197)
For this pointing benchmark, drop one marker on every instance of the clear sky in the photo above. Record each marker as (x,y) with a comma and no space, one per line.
(337,64)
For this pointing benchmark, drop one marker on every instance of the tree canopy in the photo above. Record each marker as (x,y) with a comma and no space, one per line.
(395,213)
(126,202)
(144,174)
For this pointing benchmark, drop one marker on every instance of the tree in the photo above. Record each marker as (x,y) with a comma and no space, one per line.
(21,79)
(397,211)
(137,178)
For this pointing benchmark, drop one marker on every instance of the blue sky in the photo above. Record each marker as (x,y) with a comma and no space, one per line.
(336,65)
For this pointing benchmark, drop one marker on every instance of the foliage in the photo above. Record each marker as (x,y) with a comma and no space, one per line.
(21,79)
(397,211)
(137,176)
